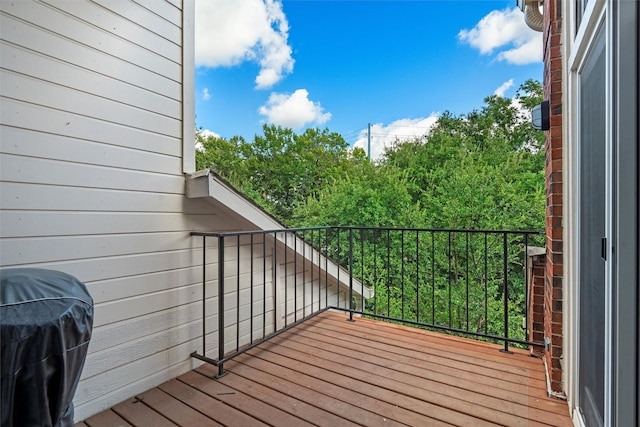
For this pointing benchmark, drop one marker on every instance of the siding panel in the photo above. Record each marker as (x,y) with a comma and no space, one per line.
(154,17)
(47,146)
(39,92)
(115,379)
(54,172)
(91,181)
(22,196)
(62,49)
(68,248)
(64,74)
(116,356)
(169,10)
(21,115)
(114,334)
(134,27)
(85,33)
(49,223)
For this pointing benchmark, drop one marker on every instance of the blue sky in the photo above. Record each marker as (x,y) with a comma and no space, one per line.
(344,64)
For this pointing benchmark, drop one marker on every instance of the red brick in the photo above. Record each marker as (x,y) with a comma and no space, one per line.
(554,96)
(556,132)
(557,293)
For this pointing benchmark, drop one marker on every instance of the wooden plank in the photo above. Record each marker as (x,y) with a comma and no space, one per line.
(107,418)
(175,410)
(316,378)
(507,401)
(139,414)
(436,349)
(396,390)
(287,403)
(458,344)
(315,396)
(532,387)
(240,401)
(203,403)
(436,363)
(139,378)
(401,408)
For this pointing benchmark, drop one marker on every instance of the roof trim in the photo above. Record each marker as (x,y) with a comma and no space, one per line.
(208,184)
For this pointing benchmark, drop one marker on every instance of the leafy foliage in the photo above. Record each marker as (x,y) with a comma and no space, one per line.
(280,169)
(479,171)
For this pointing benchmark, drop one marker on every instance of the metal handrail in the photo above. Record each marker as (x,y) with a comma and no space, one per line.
(407,274)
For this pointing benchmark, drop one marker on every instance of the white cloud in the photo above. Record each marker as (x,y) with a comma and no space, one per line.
(506,32)
(205,94)
(503,88)
(229,32)
(400,130)
(293,110)
(206,133)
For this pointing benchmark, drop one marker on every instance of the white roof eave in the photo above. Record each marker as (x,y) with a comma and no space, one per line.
(206,183)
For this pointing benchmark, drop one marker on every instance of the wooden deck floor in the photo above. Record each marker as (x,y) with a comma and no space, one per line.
(332,372)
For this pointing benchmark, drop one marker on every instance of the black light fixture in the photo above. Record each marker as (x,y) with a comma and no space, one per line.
(540,116)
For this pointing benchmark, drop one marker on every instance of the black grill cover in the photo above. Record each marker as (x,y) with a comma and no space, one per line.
(46,318)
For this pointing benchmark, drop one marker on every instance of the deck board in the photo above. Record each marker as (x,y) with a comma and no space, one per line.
(106,419)
(332,372)
(204,403)
(454,391)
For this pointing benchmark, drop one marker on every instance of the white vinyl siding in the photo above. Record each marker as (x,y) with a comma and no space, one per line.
(91,180)
(308,290)
(96,113)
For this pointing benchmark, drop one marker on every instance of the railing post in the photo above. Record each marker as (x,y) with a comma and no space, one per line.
(204,299)
(526,286)
(351,274)
(220,306)
(505,293)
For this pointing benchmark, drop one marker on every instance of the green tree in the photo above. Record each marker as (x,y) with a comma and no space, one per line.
(279,169)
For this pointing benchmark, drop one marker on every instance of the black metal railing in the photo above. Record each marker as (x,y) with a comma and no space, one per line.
(468,282)
(264,283)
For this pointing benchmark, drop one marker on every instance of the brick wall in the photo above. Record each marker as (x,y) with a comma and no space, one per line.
(553,73)
(537,262)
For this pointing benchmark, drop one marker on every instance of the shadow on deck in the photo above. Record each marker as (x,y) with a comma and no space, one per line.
(328,371)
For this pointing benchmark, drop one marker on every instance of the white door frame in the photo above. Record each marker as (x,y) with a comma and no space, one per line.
(577,42)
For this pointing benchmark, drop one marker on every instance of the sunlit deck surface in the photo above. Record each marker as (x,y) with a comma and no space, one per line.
(332,372)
